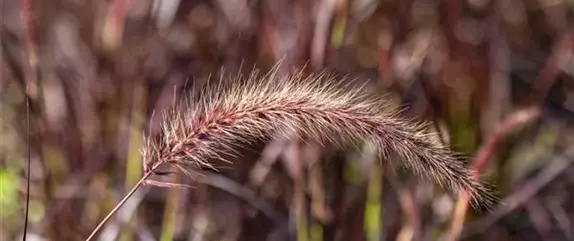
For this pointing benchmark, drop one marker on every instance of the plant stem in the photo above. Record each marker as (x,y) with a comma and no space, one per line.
(121,203)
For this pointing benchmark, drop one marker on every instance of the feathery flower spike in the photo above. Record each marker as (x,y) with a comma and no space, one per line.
(228,116)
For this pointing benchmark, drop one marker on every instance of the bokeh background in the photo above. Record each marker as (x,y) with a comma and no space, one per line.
(496,79)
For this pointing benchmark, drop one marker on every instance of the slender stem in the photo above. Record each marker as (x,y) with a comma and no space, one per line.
(28,172)
(121,203)
(26,15)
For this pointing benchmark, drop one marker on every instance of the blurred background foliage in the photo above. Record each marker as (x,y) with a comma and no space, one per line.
(496,79)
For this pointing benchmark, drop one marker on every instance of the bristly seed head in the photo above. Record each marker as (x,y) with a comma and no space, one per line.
(234,115)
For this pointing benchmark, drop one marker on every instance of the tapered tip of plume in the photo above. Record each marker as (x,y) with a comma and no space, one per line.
(229,115)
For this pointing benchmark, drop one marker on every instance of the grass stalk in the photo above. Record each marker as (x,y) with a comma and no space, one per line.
(121,203)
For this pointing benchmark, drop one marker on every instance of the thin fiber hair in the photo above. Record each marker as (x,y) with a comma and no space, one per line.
(227,116)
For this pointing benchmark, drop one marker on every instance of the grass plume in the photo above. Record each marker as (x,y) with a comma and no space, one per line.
(228,116)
